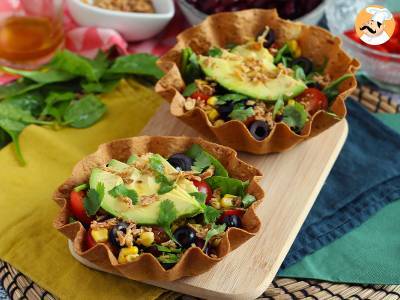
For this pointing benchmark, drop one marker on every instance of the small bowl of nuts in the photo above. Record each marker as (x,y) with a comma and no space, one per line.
(136,20)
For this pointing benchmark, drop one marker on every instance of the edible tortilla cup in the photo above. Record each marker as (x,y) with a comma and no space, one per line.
(222,29)
(147,267)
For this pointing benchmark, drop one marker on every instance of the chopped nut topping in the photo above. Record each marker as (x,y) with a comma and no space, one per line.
(142,6)
(105,224)
(208,173)
(205,87)
(147,200)
(169,244)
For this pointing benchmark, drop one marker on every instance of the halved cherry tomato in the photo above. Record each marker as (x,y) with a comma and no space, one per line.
(77,208)
(314,100)
(204,188)
(230,212)
(200,96)
(90,242)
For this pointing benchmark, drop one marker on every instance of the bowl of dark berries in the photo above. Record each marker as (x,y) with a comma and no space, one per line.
(306,11)
(255,82)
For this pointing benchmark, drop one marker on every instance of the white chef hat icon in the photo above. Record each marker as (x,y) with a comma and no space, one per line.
(379,14)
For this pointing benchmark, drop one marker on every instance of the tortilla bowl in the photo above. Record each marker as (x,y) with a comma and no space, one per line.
(194,261)
(223,29)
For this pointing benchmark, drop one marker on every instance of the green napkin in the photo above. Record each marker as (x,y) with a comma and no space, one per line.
(369,254)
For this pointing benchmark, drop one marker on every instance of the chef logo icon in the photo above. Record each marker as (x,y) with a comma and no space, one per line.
(375,25)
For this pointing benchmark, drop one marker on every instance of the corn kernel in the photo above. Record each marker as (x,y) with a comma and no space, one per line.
(215,242)
(132,252)
(146,238)
(291,102)
(100,235)
(215,203)
(212,114)
(294,48)
(227,201)
(131,257)
(212,100)
(219,122)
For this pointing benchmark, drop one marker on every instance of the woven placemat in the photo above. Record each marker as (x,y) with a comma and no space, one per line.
(18,286)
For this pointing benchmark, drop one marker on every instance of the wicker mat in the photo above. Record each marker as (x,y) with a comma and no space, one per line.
(19,286)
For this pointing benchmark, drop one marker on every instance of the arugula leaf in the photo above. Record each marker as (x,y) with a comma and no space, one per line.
(168,258)
(137,64)
(197,153)
(156,163)
(248,200)
(93,199)
(85,112)
(165,185)
(295,116)
(167,215)
(168,250)
(215,52)
(241,114)
(190,67)
(132,159)
(44,75)
(332,89)
(81,187)
(278,107)
(189,89)
(230,97)
(228,185)
(215,230)
(122,190)
(81,66)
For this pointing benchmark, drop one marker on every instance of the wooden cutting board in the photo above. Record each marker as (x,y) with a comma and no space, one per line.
(292,181)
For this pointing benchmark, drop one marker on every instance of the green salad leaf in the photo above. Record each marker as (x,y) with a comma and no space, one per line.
(332,90)
(105,86)
(295,116)
(168,250)
(93,199)
(215,52)
(203,160)
(81,187)
(248,200)
(137,64)
(85,112)
(122,191)
(19,87)
(44,75)
(284,50)
(215,230)
(190,67)
(210,213)
(230,97)
(241,114)
(169,258)
(189,89)
(228,185)
(278,107)
(167,215)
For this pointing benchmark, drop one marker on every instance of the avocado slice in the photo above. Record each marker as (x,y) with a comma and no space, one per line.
(224,71)
(117,165)
(257,51)
(144,185)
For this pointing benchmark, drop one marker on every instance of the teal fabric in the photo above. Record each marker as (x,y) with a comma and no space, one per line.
(369,254)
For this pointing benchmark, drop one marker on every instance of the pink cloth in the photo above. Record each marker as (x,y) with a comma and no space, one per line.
(88,40)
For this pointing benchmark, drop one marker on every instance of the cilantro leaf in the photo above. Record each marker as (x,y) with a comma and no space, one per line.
(278,108)
(295,116)
(215,52)
(248,200)
(166,216)
(122,191)
(189,89)
(200,197)
(165,185)
(197,153)
(156,163)
(230,97)
(215,230)
(211,214)
(93,199)
(168,250)
(241,114)
(201,162)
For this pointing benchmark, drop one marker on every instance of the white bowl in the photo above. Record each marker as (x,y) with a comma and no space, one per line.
(195,16)
(132,26)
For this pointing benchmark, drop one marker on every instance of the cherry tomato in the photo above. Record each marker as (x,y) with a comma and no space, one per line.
(200,96)
(77,208)
(204,188)
(314,100)
(90,242)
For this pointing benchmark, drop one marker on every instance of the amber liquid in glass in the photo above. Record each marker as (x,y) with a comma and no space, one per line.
(29,40)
